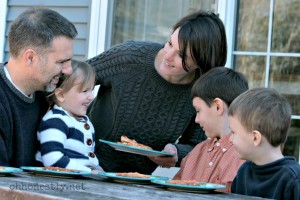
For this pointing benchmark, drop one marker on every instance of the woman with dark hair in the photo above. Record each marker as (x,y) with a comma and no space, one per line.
(145,92)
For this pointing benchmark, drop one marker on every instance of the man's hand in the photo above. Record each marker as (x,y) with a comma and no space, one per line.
(166,161)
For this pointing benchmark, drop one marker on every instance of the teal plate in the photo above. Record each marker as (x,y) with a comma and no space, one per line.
(203,187)
(9,170)
(135,150)
(127,179)
(53,173)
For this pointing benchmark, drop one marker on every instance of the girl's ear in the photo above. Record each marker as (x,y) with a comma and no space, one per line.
(257,138)
(59,94)
(219,105)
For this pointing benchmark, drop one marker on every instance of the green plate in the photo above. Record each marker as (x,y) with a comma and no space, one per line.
(127,179)
(202,187)
(10,170)
(135,150)
(53,173)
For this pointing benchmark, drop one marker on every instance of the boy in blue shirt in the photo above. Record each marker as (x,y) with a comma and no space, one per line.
(259,119)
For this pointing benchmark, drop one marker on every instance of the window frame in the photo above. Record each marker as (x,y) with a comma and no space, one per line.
(228,13)
(3,13)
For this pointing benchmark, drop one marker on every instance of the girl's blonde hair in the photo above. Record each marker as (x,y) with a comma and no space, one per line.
(82,75)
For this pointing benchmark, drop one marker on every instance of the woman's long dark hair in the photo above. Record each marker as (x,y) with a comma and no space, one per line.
(204,34)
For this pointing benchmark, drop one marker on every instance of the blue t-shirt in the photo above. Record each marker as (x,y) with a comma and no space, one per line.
(276,180)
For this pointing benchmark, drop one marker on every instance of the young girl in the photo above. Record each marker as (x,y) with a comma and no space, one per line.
(66,134)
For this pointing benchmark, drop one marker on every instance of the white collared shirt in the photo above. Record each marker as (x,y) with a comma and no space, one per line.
(9,78)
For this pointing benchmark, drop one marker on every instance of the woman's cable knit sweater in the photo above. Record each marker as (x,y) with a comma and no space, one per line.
(134,100)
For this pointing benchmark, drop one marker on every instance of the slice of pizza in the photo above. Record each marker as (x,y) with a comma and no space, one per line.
(130,142)
(186,182)
(133,174)
(59,169)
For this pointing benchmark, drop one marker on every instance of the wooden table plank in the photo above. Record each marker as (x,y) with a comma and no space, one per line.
(97,188)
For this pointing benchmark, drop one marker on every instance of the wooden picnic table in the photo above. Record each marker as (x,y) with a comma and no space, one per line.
(28,186)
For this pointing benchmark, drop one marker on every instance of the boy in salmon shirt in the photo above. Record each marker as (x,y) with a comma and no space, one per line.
(214,160)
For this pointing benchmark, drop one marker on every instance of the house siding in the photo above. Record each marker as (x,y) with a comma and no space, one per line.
(77,11)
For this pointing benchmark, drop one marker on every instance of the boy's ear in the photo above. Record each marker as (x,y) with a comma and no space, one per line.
(59,94)
(257,137)
(219,105)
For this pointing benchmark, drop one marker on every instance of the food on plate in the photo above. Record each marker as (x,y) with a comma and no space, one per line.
(186,182)
(59,169)
(130,142)
(133,174)
(2,168)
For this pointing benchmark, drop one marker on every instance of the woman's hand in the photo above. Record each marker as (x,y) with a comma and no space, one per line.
(166,161)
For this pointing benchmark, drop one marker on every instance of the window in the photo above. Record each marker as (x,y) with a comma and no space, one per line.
(151,20)
(267,51)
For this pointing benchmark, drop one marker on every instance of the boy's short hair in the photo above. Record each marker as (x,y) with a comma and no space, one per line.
(219,82)
(264,110)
